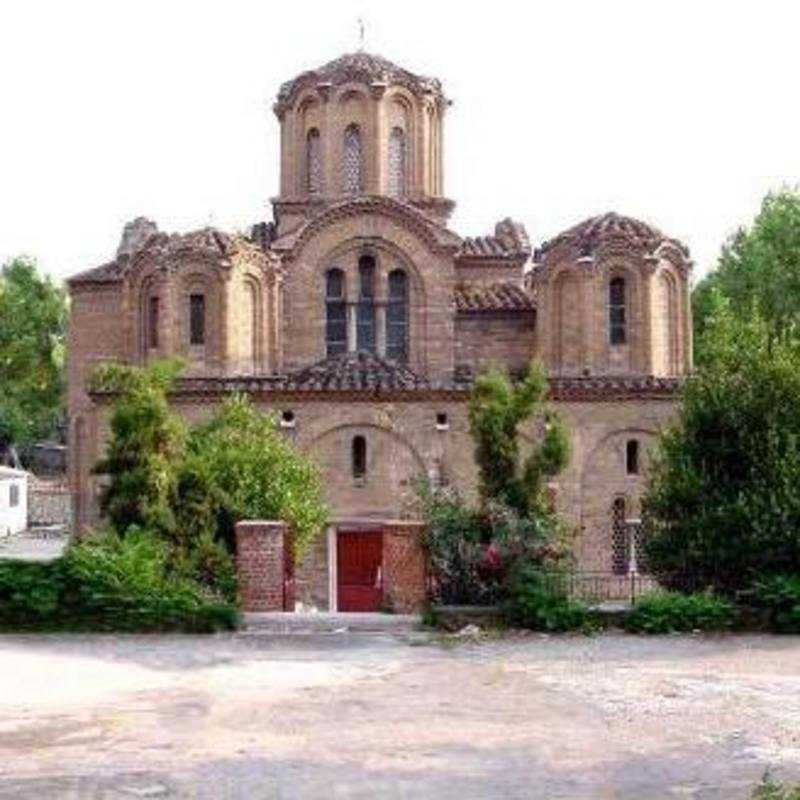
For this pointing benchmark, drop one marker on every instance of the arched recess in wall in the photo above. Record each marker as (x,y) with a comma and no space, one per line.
(568,322)
(251,325)
(150,312)
(666,325)
(400,146)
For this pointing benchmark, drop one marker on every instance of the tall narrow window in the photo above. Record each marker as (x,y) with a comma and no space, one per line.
(359,458)
(335,313)
(313,162)
(352,163)
(197,319)
(397,162)
(365,319)
(152,323)
(397,316)
(620,541)
(616,311)
(632,457)
(13,495)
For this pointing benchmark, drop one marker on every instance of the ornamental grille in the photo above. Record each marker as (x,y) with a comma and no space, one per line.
(365,314)
(352,164)
(397,162)
(313,162)
(616,311)
(335,313)
(620,543)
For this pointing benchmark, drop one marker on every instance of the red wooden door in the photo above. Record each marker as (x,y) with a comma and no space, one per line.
(358,560)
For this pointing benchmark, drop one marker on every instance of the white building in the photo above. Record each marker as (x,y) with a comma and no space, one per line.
(13,501)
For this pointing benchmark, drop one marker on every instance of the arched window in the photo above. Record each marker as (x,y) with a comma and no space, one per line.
(313,162)
(359,458)
(397,162)
(335,313)
(616,311)
(365,319)
(197,319)
(632,457)
(620,540)
(352,164)
(152,322)
(397,316)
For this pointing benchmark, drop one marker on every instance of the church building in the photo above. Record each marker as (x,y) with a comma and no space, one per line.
(360,319)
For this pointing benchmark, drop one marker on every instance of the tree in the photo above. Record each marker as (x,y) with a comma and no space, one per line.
(191,485)
(33,317)
(257,472)
(723,500)
(147,446)
(496,410)
(759,272)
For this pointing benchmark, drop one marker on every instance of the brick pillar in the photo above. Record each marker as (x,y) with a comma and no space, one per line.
(405,565)
(260,564)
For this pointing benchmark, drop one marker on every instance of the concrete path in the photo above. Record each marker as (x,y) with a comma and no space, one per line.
(324,622)
(368,716)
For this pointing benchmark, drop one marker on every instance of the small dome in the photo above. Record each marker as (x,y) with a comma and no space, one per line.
(360,66)
(610,230)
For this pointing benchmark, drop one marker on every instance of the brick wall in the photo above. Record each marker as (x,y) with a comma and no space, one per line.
(260,553)
(404,566)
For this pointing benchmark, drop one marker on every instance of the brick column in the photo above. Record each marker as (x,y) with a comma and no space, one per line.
(260,558)
(405,565)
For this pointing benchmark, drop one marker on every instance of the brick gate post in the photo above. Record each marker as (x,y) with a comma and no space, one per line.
(261,551)
(405,565)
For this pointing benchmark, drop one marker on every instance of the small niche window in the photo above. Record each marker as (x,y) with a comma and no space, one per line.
(13,495)
(442,423)
(197,319)
(313,162)
(616,311)
(287,419)
(359,458)
(632,457)
(152,322)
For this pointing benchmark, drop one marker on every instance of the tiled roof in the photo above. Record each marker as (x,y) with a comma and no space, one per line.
(484,246)
(354,371)
(105,273)
(510,242)
(360,66)
(594,233)
(474,298)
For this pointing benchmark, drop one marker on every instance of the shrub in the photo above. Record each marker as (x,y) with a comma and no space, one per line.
(671,612)
(109,584)
(776,599)
(769,789)
(539,603)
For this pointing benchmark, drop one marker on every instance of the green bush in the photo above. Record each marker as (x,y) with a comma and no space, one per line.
(109,584)
(776,600)
(769,789)
(671,612)
(540,604)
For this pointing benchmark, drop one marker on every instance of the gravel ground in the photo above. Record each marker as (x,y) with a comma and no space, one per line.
(369,716)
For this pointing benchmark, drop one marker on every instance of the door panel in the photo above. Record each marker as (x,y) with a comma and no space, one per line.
(358,560)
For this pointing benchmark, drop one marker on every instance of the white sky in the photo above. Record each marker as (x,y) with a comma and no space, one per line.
(681,113)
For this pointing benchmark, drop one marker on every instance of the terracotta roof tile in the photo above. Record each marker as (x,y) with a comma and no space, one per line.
(475,298)
(106,273)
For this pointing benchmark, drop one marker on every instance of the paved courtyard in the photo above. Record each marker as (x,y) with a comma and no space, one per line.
(370,716)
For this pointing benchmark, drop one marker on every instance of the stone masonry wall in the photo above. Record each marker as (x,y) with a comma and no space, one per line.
(260,553)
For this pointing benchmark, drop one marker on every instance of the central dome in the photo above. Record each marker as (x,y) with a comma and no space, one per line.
(364,67)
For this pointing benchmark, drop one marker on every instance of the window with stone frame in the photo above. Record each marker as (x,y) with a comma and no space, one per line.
(397,162)
(397,316)
(617,323)
(620,539)
(313,162)
(365,312)
(353,161)
(359,458)
(335,313)
(152,322)
(197,319)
